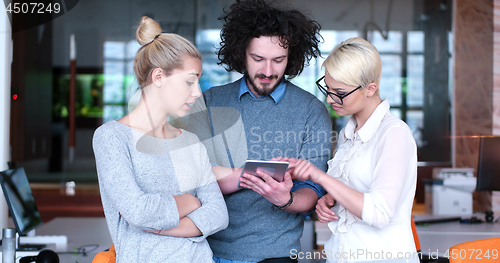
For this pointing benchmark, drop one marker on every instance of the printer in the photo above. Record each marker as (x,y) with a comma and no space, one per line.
(450,191)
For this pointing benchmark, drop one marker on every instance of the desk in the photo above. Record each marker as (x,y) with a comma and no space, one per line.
(437,238)
(80,231)
(434,238)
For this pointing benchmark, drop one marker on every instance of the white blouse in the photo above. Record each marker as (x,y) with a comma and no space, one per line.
(379,160)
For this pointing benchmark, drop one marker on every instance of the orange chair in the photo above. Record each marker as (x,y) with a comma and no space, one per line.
(415,235)
(106,256)
(484,250)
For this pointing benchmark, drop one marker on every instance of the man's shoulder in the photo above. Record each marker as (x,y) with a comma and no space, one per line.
(300,96)
(232,86)
(219,94)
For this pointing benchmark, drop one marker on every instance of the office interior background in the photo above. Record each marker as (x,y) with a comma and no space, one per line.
(440,74)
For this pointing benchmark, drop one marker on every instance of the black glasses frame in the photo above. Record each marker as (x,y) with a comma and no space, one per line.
(335,97)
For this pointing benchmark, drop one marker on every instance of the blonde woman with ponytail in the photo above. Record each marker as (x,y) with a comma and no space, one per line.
(160,197)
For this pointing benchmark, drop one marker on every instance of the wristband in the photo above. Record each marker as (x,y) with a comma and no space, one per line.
(287,204)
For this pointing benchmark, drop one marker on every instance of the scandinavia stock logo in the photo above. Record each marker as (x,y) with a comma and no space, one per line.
(25,14)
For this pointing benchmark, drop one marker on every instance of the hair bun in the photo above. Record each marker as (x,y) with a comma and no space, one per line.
(147,31)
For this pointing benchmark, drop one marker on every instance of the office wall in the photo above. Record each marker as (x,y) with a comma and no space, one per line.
(496,88)
(472,83)
(5,60)
(496,68)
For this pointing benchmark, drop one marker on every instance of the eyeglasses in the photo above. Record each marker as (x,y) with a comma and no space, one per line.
(335,97)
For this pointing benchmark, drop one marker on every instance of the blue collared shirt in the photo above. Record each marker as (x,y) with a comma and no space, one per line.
(277,94)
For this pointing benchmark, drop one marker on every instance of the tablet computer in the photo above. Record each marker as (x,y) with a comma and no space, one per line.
(276,169)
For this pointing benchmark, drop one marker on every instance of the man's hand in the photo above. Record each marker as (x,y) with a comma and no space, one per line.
(275,192)
(325,214)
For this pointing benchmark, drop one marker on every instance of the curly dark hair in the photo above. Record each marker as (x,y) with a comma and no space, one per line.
(250,19)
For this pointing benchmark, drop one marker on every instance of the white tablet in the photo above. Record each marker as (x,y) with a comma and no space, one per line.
(276,169)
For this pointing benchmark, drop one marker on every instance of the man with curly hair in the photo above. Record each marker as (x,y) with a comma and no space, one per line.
(262,116)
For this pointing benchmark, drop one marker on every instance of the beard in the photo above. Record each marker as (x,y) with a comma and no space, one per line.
(262,91)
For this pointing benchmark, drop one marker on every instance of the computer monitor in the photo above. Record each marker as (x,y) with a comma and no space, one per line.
(488,170)
(20,200)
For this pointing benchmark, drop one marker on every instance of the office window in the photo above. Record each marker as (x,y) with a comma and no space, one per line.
(415,84)
(391,80)
(119,81)
(207,42)
(402,81)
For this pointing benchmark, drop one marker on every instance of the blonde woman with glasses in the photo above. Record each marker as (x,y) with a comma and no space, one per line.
(372,177)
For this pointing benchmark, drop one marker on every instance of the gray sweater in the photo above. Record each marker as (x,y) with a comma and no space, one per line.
(139,176)
(258,128)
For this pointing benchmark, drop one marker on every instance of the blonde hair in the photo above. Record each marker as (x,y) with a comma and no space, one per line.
(159,50)
(354,62)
